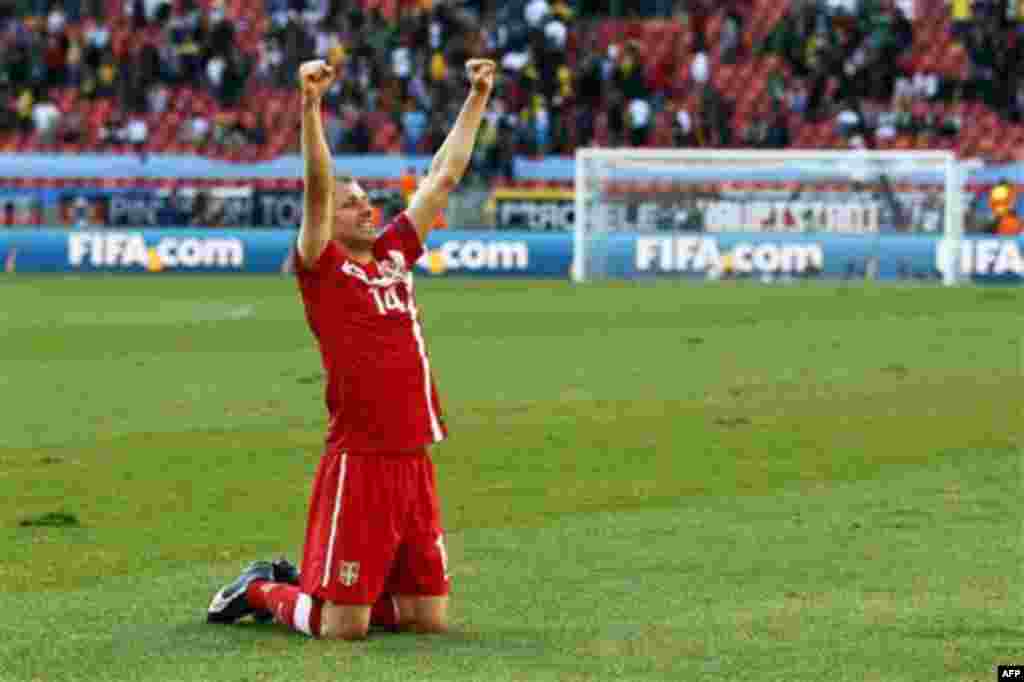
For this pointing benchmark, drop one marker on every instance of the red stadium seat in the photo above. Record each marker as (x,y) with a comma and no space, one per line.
(666,49)
(385,137)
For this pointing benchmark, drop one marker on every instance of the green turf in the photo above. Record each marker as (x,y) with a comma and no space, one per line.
(644,482)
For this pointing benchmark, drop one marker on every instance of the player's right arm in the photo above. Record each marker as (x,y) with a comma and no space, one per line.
(314,235)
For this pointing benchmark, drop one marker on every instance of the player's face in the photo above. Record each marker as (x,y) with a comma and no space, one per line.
(353,216)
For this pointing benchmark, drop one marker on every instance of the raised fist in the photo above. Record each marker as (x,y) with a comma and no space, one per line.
(315,77)
(481,74)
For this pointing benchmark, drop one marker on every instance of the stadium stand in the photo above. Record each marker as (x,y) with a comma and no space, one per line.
(214,77)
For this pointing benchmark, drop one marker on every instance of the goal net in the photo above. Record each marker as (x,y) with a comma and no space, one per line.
(709,214)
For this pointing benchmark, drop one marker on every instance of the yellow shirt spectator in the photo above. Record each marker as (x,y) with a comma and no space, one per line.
(25,102)
(1002,199)
(108,73)
(562,10)
(564,81)
(488,137)
(438,67)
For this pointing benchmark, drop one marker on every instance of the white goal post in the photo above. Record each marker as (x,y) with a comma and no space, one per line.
(706,213)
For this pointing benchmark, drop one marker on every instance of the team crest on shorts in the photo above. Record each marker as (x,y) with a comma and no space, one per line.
(349,573)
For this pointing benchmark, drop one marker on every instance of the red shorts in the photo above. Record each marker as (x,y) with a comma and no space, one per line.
(374,526)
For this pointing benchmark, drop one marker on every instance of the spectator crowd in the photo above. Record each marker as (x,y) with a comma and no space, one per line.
(94,74)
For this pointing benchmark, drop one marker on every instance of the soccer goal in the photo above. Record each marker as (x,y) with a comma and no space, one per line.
(770,215)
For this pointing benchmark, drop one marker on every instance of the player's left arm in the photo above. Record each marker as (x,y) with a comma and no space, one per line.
(452,159)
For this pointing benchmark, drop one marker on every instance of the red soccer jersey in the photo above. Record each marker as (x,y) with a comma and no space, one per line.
(380,392)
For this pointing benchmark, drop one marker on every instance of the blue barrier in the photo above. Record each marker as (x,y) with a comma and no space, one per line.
(378,166)
(173,166)
(497,254)
(807,256)
(451,252)
(145,250)
(527,254)
(240,207)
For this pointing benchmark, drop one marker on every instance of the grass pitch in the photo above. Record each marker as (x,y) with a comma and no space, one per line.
(667,482)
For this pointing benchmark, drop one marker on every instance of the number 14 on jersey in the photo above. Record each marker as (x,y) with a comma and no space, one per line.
(388,301)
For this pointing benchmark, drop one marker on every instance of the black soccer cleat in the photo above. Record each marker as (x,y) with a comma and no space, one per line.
(230,603)
(284,572)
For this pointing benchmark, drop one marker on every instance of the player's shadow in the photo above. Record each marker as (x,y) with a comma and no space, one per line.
(463,641)
(242,632)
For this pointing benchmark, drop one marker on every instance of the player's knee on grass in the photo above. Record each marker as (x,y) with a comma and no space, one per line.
(431,627)
(344,622)
(406,613)
(430,614)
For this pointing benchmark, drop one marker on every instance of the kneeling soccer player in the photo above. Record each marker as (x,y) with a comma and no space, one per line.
(374,549)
